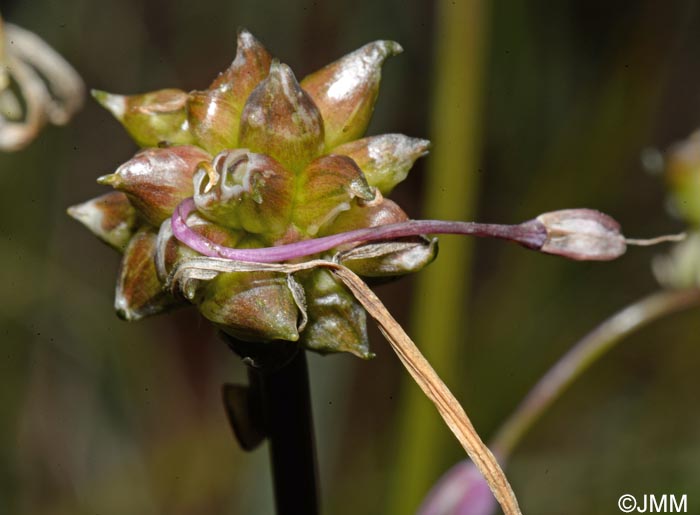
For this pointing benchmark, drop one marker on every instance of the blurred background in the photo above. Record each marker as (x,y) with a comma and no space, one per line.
(531,106)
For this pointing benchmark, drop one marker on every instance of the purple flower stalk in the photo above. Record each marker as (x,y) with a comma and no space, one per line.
(531,234)
(579,234)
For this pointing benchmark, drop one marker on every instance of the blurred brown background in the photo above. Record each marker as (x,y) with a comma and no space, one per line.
(101,416)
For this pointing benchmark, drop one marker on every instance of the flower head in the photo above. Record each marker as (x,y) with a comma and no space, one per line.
(267,160)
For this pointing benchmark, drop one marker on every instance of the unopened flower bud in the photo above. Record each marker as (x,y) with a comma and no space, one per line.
(156,180)
(139,291)
(110,217)
(251,306)
(582,234)
(326,188)
(337,323)
(345,91)
(151,118)
(244,190)
(385,160)
(281,120)
(214,114)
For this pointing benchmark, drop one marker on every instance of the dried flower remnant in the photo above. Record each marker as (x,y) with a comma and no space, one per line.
(37,86)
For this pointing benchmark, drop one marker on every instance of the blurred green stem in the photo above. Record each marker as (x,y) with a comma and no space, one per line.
(439,312)
(582,355)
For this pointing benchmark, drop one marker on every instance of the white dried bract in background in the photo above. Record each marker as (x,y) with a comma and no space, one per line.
(33,75)
(680,268)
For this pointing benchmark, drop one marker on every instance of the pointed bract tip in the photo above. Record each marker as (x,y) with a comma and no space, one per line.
(245,39)
(80,213)
(115,104)
(282,72)
(423,146)
(75,212)
(111,179)
(390,48)
(123,311)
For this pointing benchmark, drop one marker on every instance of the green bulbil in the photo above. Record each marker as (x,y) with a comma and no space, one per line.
(251,306)
(110,217)
(326,188)
(139,291)
(156,180)
(248,191)
(280,120)
(345,91)
(151,119)
(337,323)
(385,160)
(214,114)
(381,259)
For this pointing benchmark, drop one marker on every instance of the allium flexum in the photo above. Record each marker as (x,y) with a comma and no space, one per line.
(259,201)
(268,161)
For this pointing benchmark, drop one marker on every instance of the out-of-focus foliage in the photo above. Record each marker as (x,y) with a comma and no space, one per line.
(101,416)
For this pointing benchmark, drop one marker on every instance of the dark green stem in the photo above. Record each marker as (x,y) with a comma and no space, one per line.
(279,408)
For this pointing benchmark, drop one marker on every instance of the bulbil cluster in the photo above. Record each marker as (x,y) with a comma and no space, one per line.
(268,161)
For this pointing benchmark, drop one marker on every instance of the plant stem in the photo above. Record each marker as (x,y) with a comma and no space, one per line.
(281,411)
(582,355)
(287,412)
